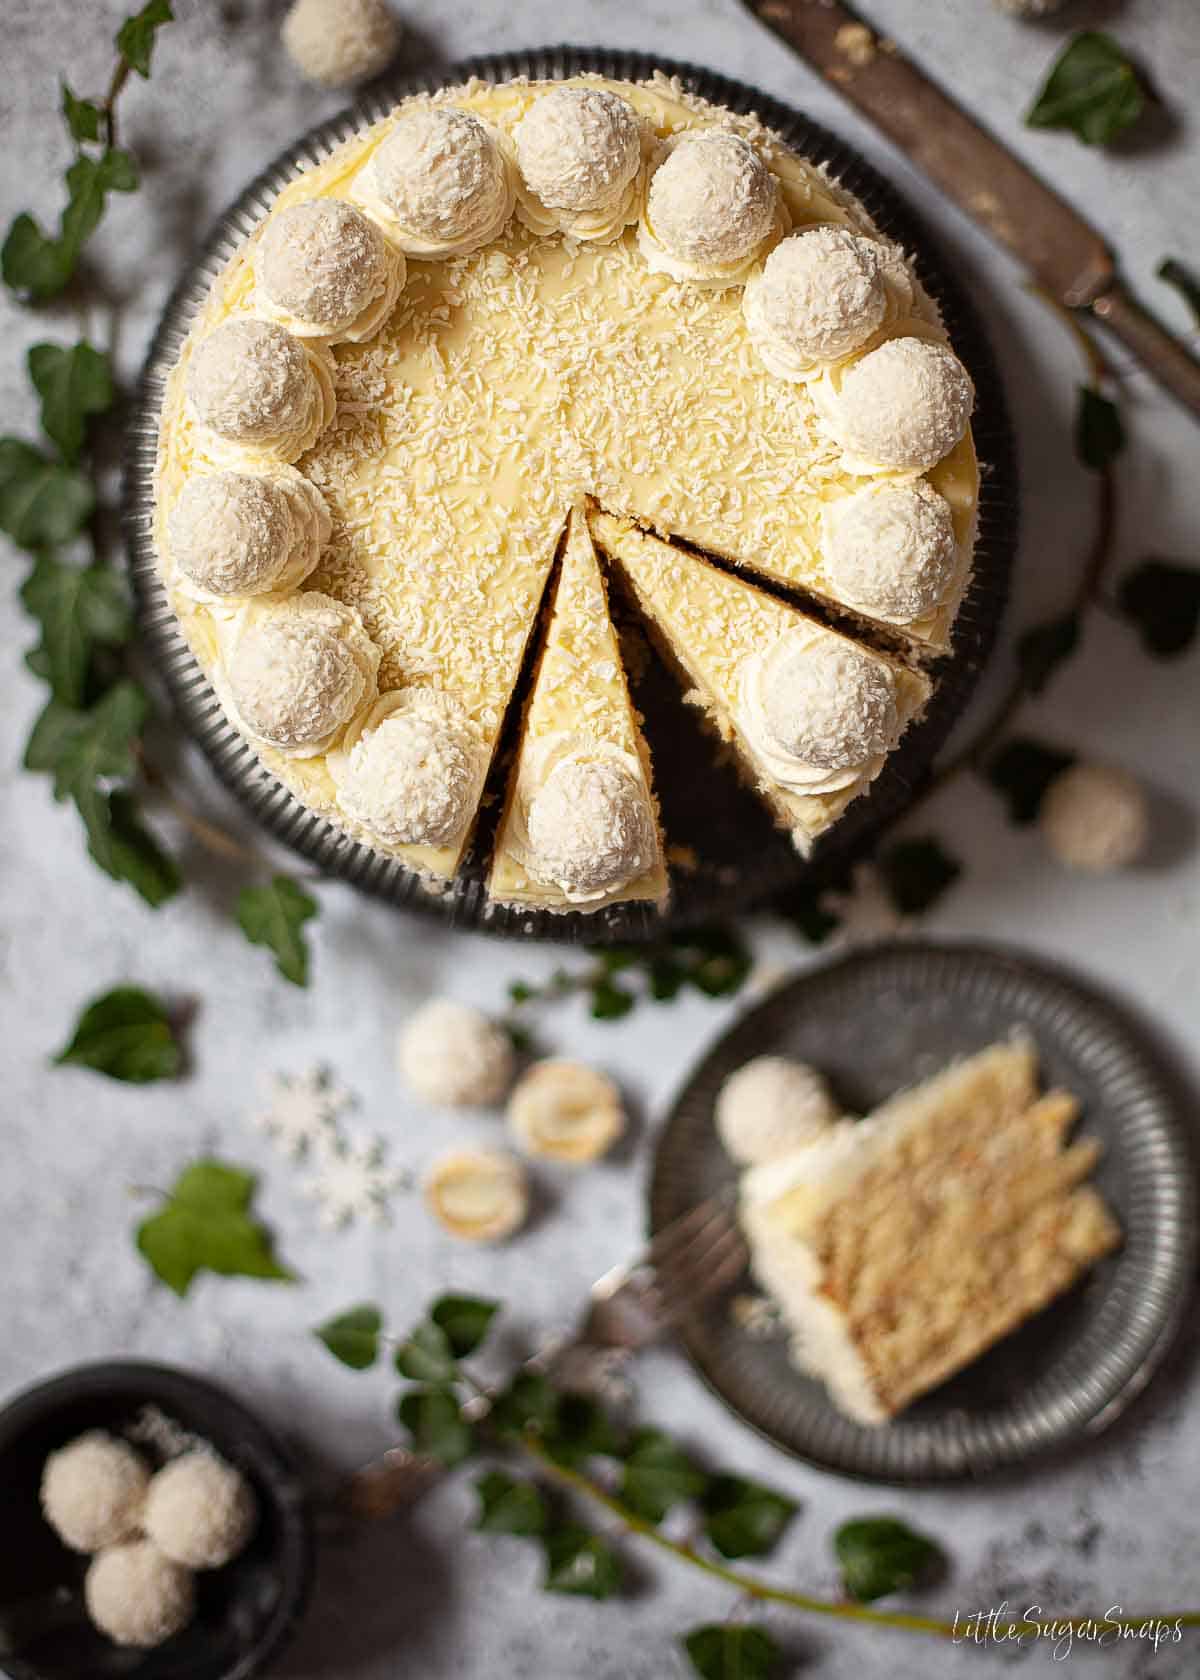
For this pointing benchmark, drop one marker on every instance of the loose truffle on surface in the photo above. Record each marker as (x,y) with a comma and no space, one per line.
(452,1055)
(200,1510)
(338,42)
(93,1491)
(1095,818)
(138,1597)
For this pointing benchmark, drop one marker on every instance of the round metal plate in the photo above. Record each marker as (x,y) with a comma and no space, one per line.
(874,1022)
(741,858)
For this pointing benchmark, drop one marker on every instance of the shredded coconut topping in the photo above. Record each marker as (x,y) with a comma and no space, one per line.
(817,703)
(299,671)
(890,549)
(590,828)
(325,270)
(904,405)
(252,383)
(578,148)
(441,180)
(819,296)
(235,533)
(712,202)
(413,773)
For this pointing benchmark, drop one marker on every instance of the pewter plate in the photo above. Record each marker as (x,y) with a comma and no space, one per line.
(875,1021)
(740,857)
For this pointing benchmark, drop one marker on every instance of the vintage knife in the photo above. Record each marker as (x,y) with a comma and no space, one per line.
(1066,256)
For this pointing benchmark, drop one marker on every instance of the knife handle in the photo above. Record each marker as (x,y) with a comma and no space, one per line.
(1164,356)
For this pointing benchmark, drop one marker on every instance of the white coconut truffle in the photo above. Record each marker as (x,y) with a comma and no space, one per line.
(453,1055)
(412,771)
(236,534)
(771,1106)
(138,1597)
(712,203)
(890,550)
(820,295)
(441,183)
(1095,818)
(338,42)
(200,1510)
(479,1195)
(324,270)
(93,1491)
(590,826)
(299,671)
(252,383)
(565,1111)
(579,149)
(904,405)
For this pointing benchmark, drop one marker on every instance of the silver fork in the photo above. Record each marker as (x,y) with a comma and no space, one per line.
(685,1264)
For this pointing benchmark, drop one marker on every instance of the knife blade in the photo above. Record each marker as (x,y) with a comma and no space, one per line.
(1065,254)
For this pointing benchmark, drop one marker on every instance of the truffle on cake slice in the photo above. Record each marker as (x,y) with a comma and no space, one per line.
(579,157)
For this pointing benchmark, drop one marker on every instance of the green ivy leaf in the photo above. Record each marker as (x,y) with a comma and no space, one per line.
(732,1651)
(274,916)
(1099,434)
(79,748)
(714,958)
(610,1002)
(509,1506)
(614,958)
(42,503)
(742,1518)
(657,1475)
(89,181)
(135,38)
(73,384)
(520,991)
(121,844)
(1092,90)
(82,116)
(205,1225)
(1163,599)
(529,1403)
(78,608)
(881,1555)
(580,1429)
(426,1356)
(34,264)
(434,1419)
(353,1337)
(1021,772)
(125,1034)
(916,873)
(464,1320)
(805,908)
(1184,282)
(1041,650)
(664,979)
(580,1563)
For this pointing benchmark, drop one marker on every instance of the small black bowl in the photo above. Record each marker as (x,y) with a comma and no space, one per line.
(244,1612)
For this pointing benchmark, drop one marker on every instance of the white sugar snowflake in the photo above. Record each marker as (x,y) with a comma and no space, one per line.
(302,1110)
(353,1181)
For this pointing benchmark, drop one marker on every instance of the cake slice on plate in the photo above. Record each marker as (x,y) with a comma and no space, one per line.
(811,713)
(901,1247)
(580,828)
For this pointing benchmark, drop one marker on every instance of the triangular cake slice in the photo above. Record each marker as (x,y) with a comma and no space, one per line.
(811,713)
(902,1246)
(580,828)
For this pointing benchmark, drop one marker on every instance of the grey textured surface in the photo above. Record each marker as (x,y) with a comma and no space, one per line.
(1115,1525)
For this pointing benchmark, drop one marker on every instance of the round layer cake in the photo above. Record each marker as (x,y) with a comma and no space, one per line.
(510,345)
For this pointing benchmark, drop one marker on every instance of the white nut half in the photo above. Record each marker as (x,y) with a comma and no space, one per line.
(479,1195)
(566,1112)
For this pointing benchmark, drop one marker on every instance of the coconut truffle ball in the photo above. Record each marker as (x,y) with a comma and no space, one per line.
(579,148)
(137,1596)
(253,383)
(93,1491)
(771,1106)
(299,671)
(590,826)
(235,533)
(200,1511)
(712,201)
(451,1054)
(337,42)
(412,775)
(904,405)
(823,703)
(820,295)
(439,181)
(480,1195)
(327,268)
(890,550)
(565,1111)
(1095,818)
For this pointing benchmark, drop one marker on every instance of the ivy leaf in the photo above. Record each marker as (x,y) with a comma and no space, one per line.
(78,608)
(881,1555)
(578,1430)
(1092,89)
(434,1420)
(609,1002)
(274,916)
(80,747)
(135,38)
(657,1475)
(509,1506)
(805,908)
(1043,649)
(916,873)
(42,503)
(1021,772)
(732,1651)
(353,1337)
(580,1563)
(715,959)
(743,1519)
(125,1034)
(73,384)
(1184,282)
(664,979)
(89,181)
(464,1320)
(205,1225)
(34,264)
(121,844)
(1099,434)
(426,1356)
(1163,600)
(528,1404)
(82,116)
